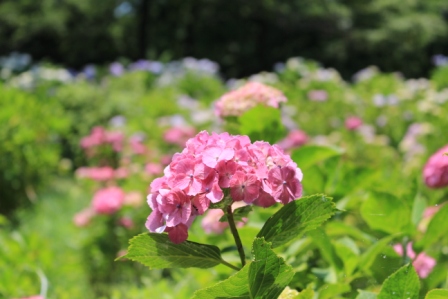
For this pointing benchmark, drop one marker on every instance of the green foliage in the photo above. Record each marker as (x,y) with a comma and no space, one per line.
(262,123)
(296,218)
(404,283)
(157,252)
(437,228)
(309,155)
(264,277)
(31,130)
(437,294)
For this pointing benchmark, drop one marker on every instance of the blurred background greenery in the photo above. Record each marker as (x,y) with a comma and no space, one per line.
(243,37)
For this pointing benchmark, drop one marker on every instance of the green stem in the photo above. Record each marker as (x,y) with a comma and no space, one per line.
(230,265)
(236,236)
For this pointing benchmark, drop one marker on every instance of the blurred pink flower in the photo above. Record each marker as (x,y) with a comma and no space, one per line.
(422,263)
(137,146)
(318,95)
(96,173)
(96,137)
(121,173)
(153,168)
(83,218)
(133,199)
(126,222)
(179,135)
(295,138)
(115,139)
(435,172)
(236,102)
(353,123)
(211,224)
(108,200)
(34,297)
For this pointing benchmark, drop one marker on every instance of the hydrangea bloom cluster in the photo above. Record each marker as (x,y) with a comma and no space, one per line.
(236,102)
(422,262)
(435,171)
(211,166)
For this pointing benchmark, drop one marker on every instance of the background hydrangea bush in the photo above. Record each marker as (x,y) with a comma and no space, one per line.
(82,152)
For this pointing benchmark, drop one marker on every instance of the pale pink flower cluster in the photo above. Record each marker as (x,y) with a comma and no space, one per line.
(34,297)
(294,139)
(435,171)
(352,123)
(105,173)
(99,136)
(318,95)
(179,135)
(236,102)
(210,165)
(422,262)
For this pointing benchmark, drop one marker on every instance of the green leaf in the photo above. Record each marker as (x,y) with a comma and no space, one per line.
(157,252)
(369,256)
(437,294)
(309,155)
(403,283)
(236,286)
(220,205)
(323,243)
(366,295)
(437,228)
(238,214)
(307,293)
(417,209)
(329,291)
(268,273)
(385,212)
(296,218)
(263,278)
(270,129)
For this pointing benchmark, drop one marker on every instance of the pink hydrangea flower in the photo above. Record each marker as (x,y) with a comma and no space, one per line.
(294,139)
(422,262)
(179,135)
(34,297)
(211,224)
(318,95)
(126,222)
(435,172)
(108,200)
(153,168)
(236,102)
(352,123)
(83,218)
(96,173)
(213,165)
(99,136)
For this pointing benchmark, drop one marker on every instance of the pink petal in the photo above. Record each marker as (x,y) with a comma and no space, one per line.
(178,234)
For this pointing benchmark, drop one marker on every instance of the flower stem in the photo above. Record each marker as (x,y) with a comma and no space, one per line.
(236,236)
(230,265)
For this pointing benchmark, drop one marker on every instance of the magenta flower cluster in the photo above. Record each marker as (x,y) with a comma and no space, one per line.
(212,166)
(435,171)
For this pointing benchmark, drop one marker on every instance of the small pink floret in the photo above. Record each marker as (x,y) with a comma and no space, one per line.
(435,172)
(108,200)
(353,123)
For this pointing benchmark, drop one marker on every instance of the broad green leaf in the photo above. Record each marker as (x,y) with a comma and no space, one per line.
(369,256)
(296,218)
(437,228)
(262,123)
(366,295)
(268,273)
(157,252)
(329,291)
(337,229)
(323,243)
(403,283)
(385,212)
(348,252)
(309,155)
(238,214)
(437,294)
(263,278)
(236,287)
